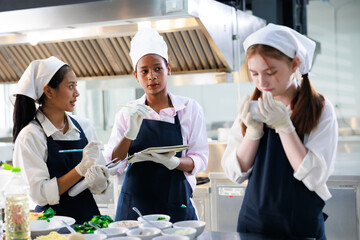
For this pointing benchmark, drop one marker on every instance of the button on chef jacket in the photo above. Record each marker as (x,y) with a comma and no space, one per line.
(32,155)
(193,129)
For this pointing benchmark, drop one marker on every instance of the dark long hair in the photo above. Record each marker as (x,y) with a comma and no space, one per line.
(306,106)
(24,108)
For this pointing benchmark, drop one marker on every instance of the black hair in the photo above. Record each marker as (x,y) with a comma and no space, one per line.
(24,108)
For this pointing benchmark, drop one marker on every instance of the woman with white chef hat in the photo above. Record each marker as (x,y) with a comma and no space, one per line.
(289,154)
(40,133)
(157,183)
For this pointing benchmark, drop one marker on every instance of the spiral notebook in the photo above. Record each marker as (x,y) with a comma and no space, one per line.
(164,149)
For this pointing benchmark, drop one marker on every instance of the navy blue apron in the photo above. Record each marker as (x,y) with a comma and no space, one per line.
(276,203)
(83,206)
(150,186)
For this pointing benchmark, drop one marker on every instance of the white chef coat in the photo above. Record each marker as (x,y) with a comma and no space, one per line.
(317,165)
(30,154)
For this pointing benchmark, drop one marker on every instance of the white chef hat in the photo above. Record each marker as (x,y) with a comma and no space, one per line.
(36,76)
(147,41)
(287,41)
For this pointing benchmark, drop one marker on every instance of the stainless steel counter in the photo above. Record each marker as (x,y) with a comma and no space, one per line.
(212,235)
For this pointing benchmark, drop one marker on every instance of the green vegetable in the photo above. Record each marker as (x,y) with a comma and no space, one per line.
(102,221)
(49,213)
(160,218)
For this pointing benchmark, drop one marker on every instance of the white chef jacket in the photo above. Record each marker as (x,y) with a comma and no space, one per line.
(318,163)
(30,154)
(193,130)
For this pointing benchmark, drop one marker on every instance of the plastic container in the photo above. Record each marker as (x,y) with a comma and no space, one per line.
(17,207)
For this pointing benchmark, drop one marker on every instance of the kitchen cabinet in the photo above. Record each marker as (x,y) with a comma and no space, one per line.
(343,208)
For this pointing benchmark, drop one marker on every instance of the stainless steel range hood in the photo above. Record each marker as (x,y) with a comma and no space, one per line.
(94,38)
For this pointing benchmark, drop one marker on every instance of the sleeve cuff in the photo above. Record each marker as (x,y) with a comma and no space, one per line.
(233,170)
(51,191)
(304,168)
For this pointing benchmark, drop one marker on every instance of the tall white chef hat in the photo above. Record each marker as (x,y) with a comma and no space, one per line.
(147,41)
(286,40)
(36,76)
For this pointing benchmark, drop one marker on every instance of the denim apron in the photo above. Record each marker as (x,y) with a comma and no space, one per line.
(83,206)
(275,202)
(150,186)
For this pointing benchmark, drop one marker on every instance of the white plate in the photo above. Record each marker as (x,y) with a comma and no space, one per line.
(43,227)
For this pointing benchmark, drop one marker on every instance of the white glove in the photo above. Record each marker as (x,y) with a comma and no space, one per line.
(137,115)
(254,128)
(167,159)
(97,178)
(274,113)
(91,154)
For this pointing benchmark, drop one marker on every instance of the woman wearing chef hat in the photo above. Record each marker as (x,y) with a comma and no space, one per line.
(157,183)
(39,135)
(289,154)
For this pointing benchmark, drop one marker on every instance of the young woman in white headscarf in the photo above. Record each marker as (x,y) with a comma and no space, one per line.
(157,183)
(288,154)
(40,133)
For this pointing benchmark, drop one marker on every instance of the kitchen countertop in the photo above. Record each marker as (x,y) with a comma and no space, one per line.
(212,235)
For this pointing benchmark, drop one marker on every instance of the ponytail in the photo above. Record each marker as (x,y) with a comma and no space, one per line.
(306,107)
(24,112)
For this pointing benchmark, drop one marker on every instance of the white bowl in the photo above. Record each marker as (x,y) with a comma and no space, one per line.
(91,236)
(172,237)
(198,225)
(130,224)
(113,232)
(158,224)
(125,238)
(182,231)
(43,227)
(144,233)
(155,217)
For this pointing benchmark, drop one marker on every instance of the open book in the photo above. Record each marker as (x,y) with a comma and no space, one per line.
(164,149)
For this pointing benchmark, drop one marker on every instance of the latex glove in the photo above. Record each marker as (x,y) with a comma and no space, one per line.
(167,159)
(97,178)
(137,115)
(91,154)
(274,113)
(254,129)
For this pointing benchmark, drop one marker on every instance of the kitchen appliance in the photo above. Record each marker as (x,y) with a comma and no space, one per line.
(94,37)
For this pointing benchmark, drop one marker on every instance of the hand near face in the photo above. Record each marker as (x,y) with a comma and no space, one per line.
(254,129)
(274,113)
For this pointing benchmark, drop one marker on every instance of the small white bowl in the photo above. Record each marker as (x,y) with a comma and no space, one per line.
(130,224)
(180,231)
(155,217)
(144,233)
(126,238)
(172,237)
(113,232)
(158,224)
(198,225)
(90,236)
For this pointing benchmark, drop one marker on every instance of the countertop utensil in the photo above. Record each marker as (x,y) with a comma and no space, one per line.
(68,227)
(97,228)
(140,215)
